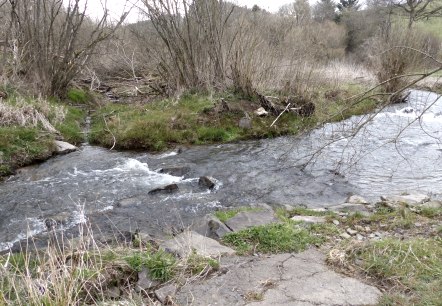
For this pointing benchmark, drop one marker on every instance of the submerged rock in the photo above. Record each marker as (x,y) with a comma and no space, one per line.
(165,190)
(175,170)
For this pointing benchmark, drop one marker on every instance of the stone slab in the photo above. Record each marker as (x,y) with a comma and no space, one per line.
(284,279)
(184,244)
(247,219)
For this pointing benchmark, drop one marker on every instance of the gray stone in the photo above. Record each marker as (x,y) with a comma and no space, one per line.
(206,182)
(245,123)
(145,282)
(432,204)
(355,199)
(210,226)
(189,241)
(247,219)
(175,170)
(309,219)
(165,190)
(166,294)
(62,147)
(336,222)
(360,237)
(345,236)
(283,279)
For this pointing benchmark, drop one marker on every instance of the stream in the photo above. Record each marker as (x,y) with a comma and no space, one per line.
(396,150)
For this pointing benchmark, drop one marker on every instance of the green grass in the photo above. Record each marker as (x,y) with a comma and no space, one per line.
(285,214)
(22,145)
(413,267)
(161,265)
(71,128)
(272,238)
(224,215)
(79,96)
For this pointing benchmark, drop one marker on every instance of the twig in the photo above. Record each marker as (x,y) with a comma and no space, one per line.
(286,108)
(113,136)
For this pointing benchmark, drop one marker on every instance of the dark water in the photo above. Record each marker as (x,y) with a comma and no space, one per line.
(398,150)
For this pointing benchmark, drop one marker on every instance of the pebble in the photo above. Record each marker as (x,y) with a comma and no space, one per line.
(417,224)
(371,236)
(367,229)
(360,237)
(377,234)
(359,228)
(336,222)
(345,236)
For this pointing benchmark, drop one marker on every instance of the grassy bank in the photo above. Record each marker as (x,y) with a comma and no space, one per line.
(196,119)
(406,263)
(29,127)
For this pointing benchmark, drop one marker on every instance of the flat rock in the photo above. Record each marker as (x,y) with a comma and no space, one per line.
(283,279)
(247,219)
(62,147)
(309,219)
(210,226)
(355,199)
(413,199)
(349,207)
(189,241)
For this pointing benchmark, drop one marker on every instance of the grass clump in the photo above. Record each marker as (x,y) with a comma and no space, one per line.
(71,128)
(224,215)
(413,267)
(160,265)
(271,238)
(78,95)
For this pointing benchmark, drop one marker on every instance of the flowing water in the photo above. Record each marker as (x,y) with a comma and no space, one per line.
(396,150)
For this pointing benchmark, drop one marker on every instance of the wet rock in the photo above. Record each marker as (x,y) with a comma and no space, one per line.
(396,201)
(247,219)
(175,170)
(261,112)
(206,182)
(309,219)
(145,282)
(355,199)
(166,294)
(62,147)
(189,241)
(211,227)
(165,190)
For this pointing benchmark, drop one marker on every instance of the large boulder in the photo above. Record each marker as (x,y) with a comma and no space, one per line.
(206,182)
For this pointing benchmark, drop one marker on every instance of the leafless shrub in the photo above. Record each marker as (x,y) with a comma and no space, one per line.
(49,41)
(402,53)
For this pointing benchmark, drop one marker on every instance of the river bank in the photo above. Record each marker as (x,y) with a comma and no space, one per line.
(384,253)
